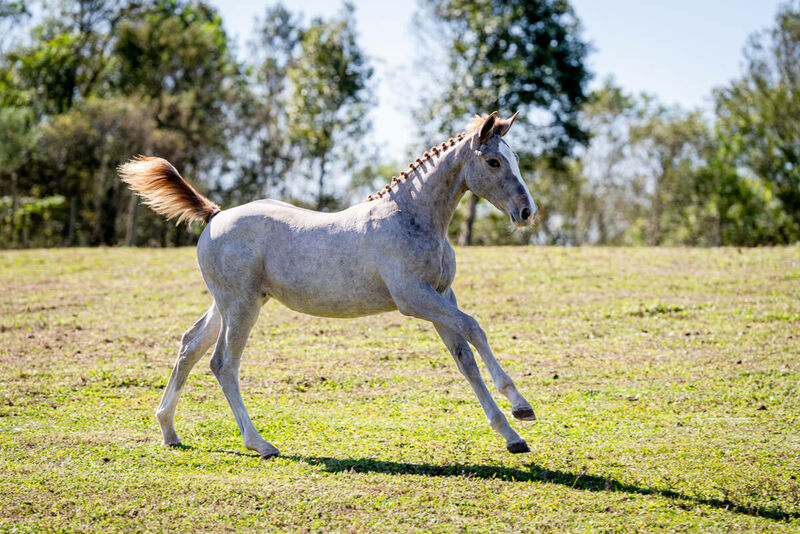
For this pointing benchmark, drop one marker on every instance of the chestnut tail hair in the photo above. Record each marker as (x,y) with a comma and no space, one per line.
(163,189)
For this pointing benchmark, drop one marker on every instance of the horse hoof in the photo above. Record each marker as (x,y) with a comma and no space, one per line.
(518,447)
(271,454)
(525,414)
(172,443)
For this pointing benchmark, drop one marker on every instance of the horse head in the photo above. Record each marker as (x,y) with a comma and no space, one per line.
(492,170)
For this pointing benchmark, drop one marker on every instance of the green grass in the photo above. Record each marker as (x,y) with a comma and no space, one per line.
(665,382)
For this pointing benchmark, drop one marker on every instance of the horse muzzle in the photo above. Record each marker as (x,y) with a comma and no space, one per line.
(523,214)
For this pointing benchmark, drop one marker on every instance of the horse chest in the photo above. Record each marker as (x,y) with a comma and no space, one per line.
(447,270)
(439,267)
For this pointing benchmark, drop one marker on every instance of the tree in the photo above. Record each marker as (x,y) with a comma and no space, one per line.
(329,98)
(177,57)
(85,145)
(758,114)
(18,136)
(90,71)
(674,145)
(261,143)
(595,196)
(68,55)
(507,55)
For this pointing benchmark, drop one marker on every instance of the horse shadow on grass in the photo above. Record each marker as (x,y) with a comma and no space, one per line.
(534,473)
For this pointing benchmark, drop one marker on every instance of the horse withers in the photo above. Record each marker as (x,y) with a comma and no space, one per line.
(388,253)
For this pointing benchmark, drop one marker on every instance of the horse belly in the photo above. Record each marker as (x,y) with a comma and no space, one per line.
(327,285)
(323,302)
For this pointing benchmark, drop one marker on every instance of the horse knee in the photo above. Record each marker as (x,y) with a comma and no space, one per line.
(473,332)
(191,350)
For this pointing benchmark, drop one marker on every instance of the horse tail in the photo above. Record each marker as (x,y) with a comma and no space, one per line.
(163,189)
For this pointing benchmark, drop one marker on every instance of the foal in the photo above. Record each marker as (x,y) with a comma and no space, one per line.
(390,252)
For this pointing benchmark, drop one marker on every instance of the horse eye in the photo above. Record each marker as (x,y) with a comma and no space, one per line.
(494,163)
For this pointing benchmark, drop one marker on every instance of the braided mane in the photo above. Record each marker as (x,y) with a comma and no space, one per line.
(500,127)
(414,165)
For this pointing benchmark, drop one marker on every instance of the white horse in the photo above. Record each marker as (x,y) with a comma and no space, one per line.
(390,252)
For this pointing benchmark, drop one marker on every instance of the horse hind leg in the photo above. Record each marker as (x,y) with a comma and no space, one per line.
(194,344)
(238,319)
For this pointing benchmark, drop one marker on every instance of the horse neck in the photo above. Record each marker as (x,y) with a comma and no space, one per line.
(436,187)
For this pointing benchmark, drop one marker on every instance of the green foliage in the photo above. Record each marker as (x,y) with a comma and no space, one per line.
(34,222)
(47,73)
(177,57)
(656,175)
(758,113)
(106,81)
(18,135)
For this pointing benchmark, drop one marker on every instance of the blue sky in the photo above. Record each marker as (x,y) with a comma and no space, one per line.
(678,50)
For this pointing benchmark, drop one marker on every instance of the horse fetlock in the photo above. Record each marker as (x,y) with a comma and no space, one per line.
(171,440)
(163,417)
(165,421)
(505,385)
(498,421)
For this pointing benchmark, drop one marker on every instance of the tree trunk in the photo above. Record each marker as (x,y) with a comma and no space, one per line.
(133,218)
(12,231)
(657,208)
(602,231)
(73,215)
(164,229)
(465,234)
(321,192)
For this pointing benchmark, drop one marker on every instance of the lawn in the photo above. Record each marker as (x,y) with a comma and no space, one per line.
(666,382)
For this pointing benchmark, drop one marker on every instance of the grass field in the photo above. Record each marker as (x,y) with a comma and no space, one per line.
(666,382)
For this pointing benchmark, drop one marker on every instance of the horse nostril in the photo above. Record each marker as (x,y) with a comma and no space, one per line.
(525,214)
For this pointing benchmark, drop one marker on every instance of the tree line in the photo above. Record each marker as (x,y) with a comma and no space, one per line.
(87,84)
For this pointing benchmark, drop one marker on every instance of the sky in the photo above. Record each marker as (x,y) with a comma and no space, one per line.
(677,50)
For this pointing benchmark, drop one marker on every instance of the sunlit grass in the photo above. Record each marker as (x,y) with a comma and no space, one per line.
(665,382)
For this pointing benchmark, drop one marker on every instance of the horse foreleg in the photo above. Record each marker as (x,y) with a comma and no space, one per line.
(237,321)
(465,361)
(194,344)
(421,300)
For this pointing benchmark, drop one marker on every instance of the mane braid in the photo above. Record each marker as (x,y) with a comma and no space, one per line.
(414,165)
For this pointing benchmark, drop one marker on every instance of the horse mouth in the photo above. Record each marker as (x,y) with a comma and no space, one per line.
(518,221)
(523,217)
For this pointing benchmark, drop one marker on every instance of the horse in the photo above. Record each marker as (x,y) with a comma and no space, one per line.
(387,253)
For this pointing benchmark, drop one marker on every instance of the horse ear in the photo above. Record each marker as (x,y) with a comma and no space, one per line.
(507,124)
(487,128)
